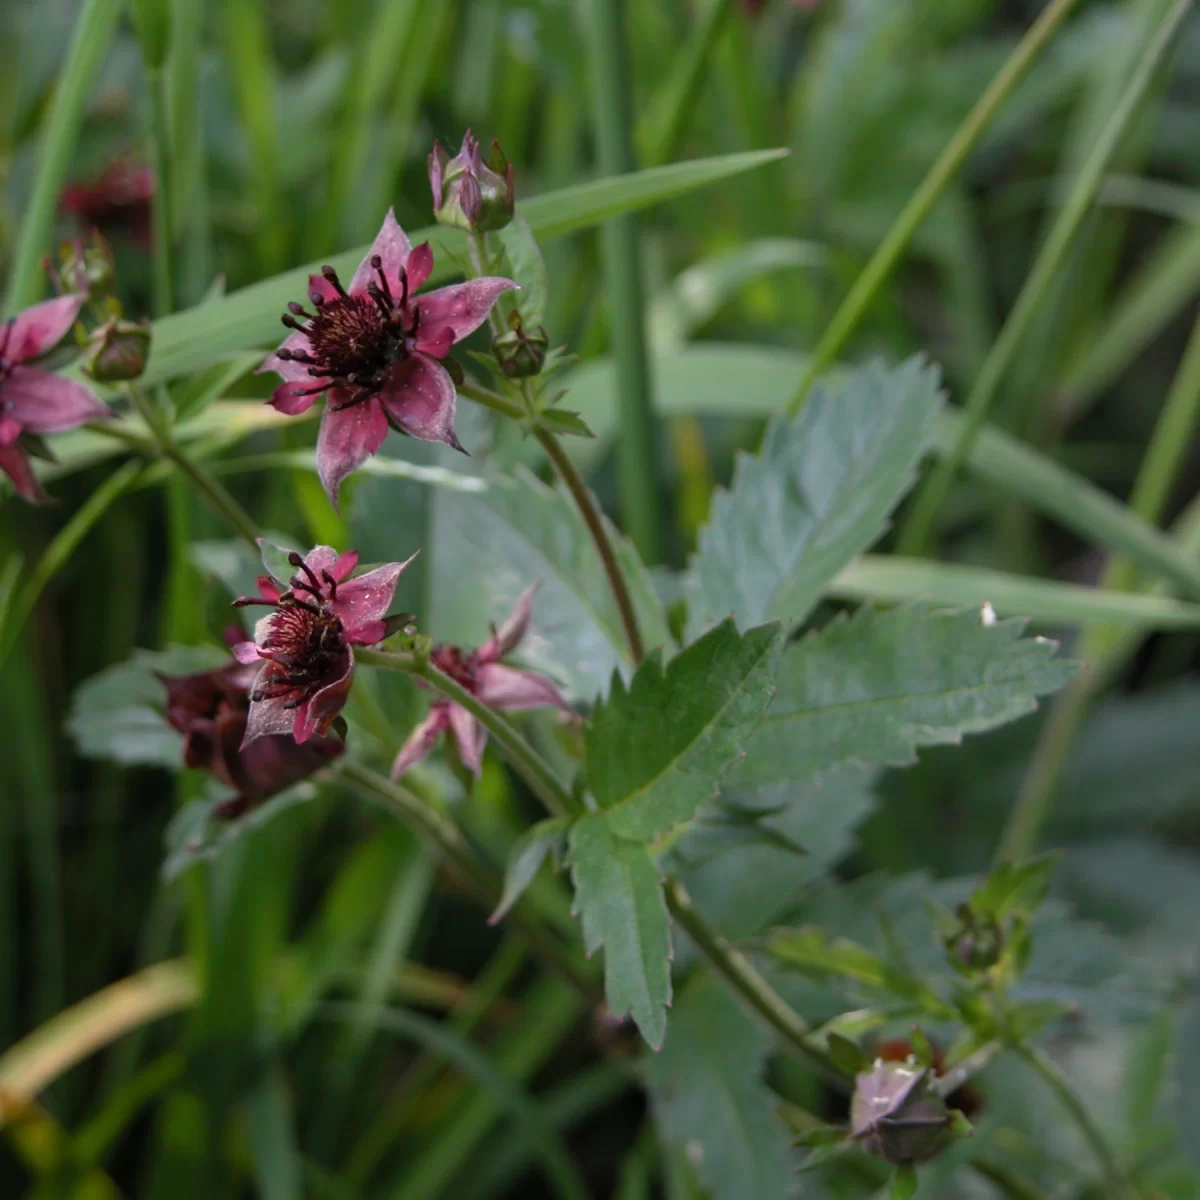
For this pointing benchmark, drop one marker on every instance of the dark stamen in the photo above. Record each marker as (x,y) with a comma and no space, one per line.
(297,561)
(403,274)
(329,579)
(377,263)
(332,276)
(299,310)
(246,601)
(315,298)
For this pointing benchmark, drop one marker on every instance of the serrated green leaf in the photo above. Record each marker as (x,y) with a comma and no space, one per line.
(525,859)
(873,688)
(186,342)
(561,420)
(817,494)
(488,549)
(655,751)
(708,1095)
(619,899)
(119,714)
(528,269)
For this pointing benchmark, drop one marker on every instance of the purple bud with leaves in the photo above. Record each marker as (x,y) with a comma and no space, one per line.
(896,1115)
(469,193)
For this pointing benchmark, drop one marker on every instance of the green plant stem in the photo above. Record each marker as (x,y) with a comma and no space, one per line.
(852,310)
(493,400)
(60,550)
(1151,491)
(1050,259)
(90,41)
(737,970)
(1061,1086)
(637,452)
(479,876)
(532,767)
(594,519)
(163,297)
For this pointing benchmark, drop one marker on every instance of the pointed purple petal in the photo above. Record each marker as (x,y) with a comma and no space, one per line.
(506,639)
(10,430)
(47,403)
(420,742)
(470,736)
(419,266)
(317,715)
(345,564)
(391,244)
(347,439)
(499,686)
(268,717)
(462,307)
(366,598)
(292,399)
(293,372)
(15,464)
(40,328)
(246,652)
(321,558)
(420,397)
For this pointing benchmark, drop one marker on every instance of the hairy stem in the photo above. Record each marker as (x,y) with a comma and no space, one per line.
(594,519)
(493,400)
(480,877)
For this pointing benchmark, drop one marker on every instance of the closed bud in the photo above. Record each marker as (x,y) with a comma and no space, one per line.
(84,267)
(976,944)
(896,1115)
(520,354)
(468,193)
(118,351)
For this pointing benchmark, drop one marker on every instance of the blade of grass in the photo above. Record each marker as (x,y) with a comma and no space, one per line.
(1066,226)
(854,307)
(894,579)
(187,342)
(252,73)
(638,484)
(273,1138)
(90,40)
(99,1135)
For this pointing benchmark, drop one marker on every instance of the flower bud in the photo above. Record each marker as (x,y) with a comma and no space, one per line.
(520,354)
(84,268)
(118,351)
(467,194)
(976,944)
(895,1113)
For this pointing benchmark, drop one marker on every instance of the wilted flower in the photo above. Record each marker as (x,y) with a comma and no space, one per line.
(374,348)
(210,709)
(467,193)
(302,649)
(483,675)
(34,402)
(895,1114)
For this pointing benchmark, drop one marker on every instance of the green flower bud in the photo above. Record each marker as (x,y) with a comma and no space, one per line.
(118,351)
(520,354)
(84,267)
(467,194)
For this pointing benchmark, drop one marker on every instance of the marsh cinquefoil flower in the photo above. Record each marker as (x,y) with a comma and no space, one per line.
(302,648)
(210,709)
(34,402)
(483,675)
(373,348)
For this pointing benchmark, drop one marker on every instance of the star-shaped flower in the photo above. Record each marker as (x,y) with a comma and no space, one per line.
(374,348)
(483,675)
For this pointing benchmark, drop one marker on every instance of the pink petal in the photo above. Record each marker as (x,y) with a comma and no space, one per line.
(287,398)
(317,715)
(47,403)
(420,398)
(420,741)
(344,565)
(246,652)
(268,717)
(10,430)
(294,372)
(470,736)
(506,639)
(347,439)
(15,464)
(268,589)
(323,288)
(321,558)
(369,633)
(462,307)
(438,345)
(366,598)
(499,686)
(419,266)
(38,329)
(392,246)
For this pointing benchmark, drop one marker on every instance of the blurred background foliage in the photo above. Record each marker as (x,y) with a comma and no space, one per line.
(292,126)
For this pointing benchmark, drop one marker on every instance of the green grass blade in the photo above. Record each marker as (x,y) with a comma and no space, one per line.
(187,342)
(896,580)
(1041,277)
(89,46)
(273,1138)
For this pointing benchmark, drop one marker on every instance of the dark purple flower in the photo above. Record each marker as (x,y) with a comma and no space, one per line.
(895,1114)
(302,648)
(483,675)
(469,193)
(374,348)
(34,402)
(210,709)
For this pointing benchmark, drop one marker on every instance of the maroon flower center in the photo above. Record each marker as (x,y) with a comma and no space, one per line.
(305,641)
(450,660)
(354,338)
